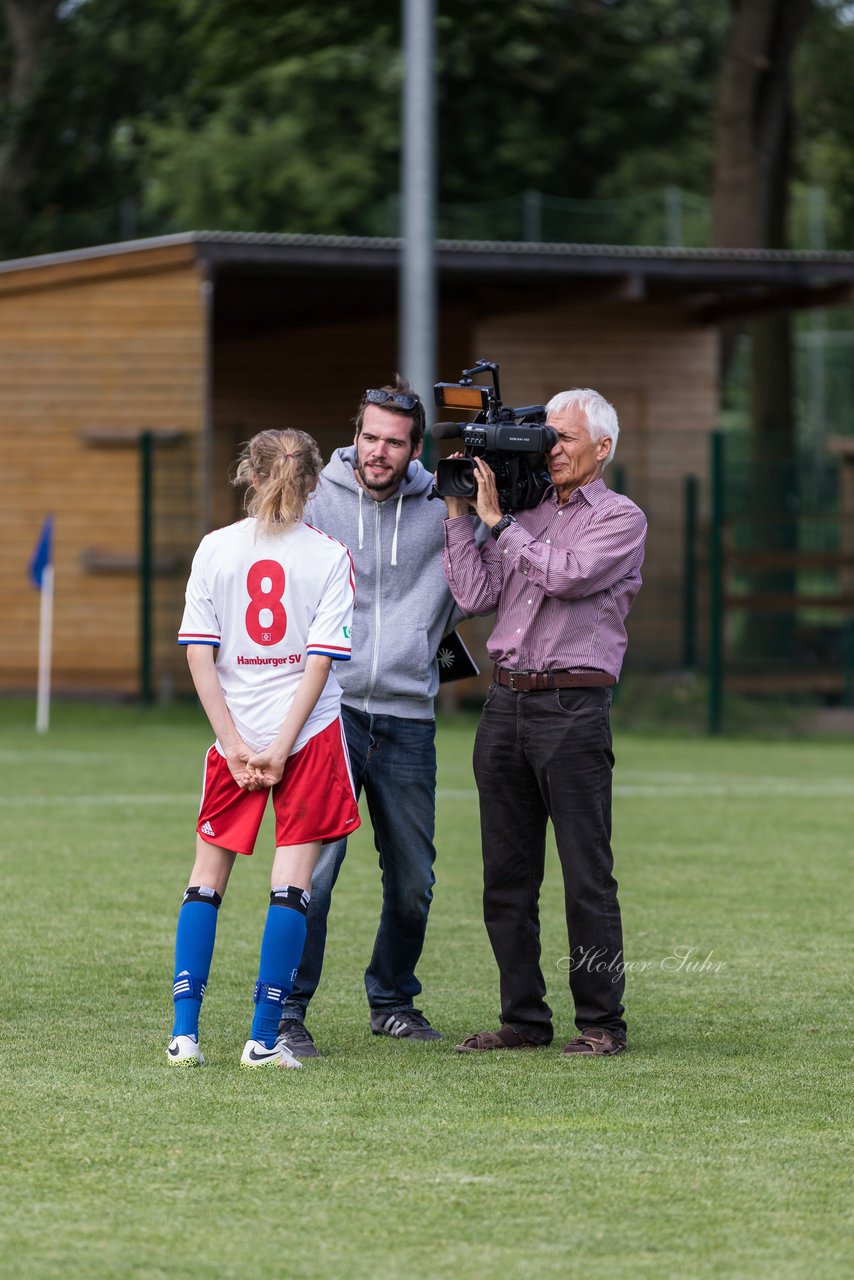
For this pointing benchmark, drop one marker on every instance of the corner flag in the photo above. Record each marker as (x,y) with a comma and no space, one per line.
(41,576)
(43,554)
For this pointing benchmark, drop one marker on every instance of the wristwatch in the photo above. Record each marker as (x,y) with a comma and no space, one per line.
(504,523)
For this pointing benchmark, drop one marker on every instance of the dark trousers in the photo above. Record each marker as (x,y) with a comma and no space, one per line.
(541,756)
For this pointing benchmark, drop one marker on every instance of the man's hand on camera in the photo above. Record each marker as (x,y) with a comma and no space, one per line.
(456,506)
(486,500)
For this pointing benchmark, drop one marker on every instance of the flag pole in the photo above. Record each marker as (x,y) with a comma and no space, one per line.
(45,646)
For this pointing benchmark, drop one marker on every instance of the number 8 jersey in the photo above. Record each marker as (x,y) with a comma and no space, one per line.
(267,603)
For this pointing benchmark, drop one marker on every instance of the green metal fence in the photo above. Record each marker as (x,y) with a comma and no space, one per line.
(781,574)
(168,535)
(767,570)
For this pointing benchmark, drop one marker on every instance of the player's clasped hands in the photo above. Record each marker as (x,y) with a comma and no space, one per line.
(254,770)
(264,770)
(237,760)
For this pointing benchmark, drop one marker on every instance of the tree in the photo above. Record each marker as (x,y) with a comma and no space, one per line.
(26,56)
(753,153)
(824,109)
(753,131)
(74,157)
(578,99)
(289,124)
(265,116)
(285,117)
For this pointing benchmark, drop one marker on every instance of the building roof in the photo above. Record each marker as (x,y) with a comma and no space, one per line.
(712,282)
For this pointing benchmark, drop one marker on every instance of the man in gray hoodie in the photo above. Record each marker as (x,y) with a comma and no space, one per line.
(373,497)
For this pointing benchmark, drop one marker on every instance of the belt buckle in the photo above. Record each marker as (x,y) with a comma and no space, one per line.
(512,683)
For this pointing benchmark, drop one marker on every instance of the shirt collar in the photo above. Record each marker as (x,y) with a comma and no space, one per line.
(592,493)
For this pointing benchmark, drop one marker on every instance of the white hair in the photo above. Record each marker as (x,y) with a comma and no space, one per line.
(601,416)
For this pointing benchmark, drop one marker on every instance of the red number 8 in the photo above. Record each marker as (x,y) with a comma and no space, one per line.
(271,600)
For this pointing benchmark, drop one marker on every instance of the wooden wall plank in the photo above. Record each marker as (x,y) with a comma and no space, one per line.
(103,350)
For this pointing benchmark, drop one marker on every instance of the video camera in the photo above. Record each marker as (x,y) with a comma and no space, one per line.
(501,436)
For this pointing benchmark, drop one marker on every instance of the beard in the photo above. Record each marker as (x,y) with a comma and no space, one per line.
(390,478)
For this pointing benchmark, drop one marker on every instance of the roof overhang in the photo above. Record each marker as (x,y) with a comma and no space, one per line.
(711,284)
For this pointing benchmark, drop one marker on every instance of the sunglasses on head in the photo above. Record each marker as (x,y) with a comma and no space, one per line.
(396,397)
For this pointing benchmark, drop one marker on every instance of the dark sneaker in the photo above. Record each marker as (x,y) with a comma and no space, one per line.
(296,1037)
(403,1024)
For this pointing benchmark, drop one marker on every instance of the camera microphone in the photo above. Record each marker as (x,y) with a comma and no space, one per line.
(446,430)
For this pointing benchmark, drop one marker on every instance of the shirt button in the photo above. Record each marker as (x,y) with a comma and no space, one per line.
(530,602)
(518,631)
(548,540)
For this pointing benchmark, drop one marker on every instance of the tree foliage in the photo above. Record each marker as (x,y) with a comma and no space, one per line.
(824,110)
(154,115)
(103,67)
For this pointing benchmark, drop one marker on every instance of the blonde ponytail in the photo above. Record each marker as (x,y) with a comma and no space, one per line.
(281,469)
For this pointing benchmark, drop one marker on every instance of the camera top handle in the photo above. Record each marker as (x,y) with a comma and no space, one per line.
(484,366)
(467,394)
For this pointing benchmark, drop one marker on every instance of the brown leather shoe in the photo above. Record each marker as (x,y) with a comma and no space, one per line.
(504,1038)
(596,1041)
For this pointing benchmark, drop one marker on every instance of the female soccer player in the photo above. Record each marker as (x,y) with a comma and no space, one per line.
(269,606)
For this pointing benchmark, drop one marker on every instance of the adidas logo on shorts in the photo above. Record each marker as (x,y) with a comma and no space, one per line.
(206,829)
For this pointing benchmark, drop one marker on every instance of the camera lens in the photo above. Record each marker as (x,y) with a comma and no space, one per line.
(455,478)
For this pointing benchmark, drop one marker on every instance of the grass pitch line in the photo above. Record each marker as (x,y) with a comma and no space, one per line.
(99,801)
(753,788)
(747,790)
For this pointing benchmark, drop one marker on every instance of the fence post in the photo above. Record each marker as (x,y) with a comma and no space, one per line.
(673,233)
(146,565)
(532,215)
(848,663)
(689,583)
(716,573)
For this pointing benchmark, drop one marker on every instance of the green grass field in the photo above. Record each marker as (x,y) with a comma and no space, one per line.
(720,1146)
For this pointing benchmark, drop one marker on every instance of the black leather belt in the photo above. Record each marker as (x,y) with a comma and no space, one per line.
(536,681)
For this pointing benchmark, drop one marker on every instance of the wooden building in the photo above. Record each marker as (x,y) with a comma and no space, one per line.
(197,340)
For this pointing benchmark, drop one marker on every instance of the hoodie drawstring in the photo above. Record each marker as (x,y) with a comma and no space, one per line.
(397,516)
(396,523)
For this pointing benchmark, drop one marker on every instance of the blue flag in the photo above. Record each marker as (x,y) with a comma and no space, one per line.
(43,554)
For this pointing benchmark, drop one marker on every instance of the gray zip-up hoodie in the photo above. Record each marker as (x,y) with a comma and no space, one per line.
(403,604)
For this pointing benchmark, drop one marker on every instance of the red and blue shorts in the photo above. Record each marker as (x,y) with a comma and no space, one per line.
(314,800)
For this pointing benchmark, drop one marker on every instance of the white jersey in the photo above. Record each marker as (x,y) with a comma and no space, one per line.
(267,603)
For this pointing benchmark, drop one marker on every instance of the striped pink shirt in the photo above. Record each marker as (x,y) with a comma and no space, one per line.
(561,580)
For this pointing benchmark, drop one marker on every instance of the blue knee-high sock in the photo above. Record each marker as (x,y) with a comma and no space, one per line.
(194,944)
(281,950)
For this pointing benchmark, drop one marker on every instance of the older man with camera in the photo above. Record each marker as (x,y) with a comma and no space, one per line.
(561,577)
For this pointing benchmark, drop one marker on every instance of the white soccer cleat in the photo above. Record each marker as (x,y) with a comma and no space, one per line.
(256,1054)
(184,1051)
(288,1059)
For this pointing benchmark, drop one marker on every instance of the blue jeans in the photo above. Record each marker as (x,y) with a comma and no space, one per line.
(394,762)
